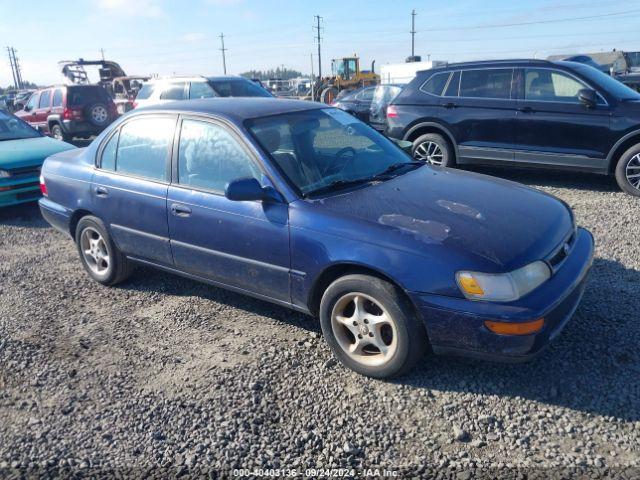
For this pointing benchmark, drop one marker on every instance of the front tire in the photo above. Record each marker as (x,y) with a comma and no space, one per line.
(58,133)
(371,327)
(99,256)
(434,149)
(628,171)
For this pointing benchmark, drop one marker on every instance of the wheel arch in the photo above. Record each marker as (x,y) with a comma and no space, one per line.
(75,218)
(620,147)
(52,120)
(332,272)
(423,128)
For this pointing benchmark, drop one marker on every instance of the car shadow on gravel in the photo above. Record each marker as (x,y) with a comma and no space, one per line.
(150,279)
(25,214)
(593,366)
(552,178)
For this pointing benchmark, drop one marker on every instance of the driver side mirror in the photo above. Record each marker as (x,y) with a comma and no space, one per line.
(27,108)
(588,97)
(249,189)
(403,144)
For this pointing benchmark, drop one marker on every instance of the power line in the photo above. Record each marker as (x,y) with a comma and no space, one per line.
(223,50)
(318,38)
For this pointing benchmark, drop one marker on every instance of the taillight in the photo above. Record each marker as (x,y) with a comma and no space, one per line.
(72,114)
(392,112)
(43,186)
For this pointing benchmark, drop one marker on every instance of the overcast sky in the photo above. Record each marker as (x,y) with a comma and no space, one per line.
(181,37)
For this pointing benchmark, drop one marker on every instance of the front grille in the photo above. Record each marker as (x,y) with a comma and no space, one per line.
(562,252)
(24,172)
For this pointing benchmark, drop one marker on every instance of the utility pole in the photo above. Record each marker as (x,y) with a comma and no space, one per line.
(413,32)
(318,38)
(13,70)
(312,75)
(223,50)
(16,67)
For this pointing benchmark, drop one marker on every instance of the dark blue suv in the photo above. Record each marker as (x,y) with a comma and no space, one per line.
(533,113)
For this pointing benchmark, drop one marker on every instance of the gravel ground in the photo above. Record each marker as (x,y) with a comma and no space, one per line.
(169,377)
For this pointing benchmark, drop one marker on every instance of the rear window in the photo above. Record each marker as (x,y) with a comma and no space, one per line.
(145,92)
(85,95)
(174,91)
(238,88)
(436,83)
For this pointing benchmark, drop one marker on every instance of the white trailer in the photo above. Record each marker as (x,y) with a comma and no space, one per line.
(402,73)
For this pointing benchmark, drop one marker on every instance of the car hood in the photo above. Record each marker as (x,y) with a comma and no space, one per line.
(29,151)
(503,224)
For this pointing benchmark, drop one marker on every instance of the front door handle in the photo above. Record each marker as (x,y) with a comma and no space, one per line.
(525,109)
(102,192)
(180,210)
(449,105)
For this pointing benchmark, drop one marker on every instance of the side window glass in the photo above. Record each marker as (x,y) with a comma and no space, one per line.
(57,98)
(454,86)
(143,148)
(551,86)
(45,99)
(489,83)
(366,95)
(173,91)
(436,83)
(201,90)
(210,157)
(108,159)
(33,101)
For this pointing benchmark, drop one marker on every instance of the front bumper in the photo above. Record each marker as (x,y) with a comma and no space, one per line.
(19,191)
(456,325)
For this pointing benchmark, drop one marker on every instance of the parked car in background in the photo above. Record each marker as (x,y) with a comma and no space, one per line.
(22,151)
(532,113)
(356,102)
(71,111)
(303,205)
(184,88)
(382,97)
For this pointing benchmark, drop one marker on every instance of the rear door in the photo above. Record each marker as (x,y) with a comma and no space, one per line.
(239,244)
(483,114)
(363,103)
(554,127)
(130,185)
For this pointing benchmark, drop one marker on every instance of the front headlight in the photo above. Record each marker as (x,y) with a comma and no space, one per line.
(4,174)
(503,287)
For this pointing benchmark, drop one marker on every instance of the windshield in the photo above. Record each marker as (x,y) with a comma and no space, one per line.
(327,149)
(633,58)
(614,87)
(238,88)
(12,128)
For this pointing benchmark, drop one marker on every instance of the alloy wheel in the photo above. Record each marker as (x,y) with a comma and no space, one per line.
(99,114)
(364,330)
(632,171)
(94,251)
(429,152)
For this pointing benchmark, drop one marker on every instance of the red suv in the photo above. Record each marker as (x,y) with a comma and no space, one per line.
(69,111)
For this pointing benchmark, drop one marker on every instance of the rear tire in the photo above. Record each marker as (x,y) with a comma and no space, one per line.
(99,256)
(371,327)
(434,149)
(627,167)
(59,134)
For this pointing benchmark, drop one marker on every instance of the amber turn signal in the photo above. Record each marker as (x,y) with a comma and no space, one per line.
(521,328)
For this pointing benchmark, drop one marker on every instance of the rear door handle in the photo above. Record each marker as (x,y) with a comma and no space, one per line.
(102,192)
(449,105)
(525,109)
(180,210)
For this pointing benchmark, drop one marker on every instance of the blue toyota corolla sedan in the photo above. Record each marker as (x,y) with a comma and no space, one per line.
(303,205)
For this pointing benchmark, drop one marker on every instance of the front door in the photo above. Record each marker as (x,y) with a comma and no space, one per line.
(554,127)
(239,244)
(363,103)
(129,186)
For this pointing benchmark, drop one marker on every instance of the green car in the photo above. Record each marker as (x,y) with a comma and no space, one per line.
(22,152)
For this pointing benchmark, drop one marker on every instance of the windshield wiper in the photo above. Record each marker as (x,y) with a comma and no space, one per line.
(338,184)
(396,166)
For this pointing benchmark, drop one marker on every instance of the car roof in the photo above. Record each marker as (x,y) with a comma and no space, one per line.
(236,109)
(194,78)
(492,63)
